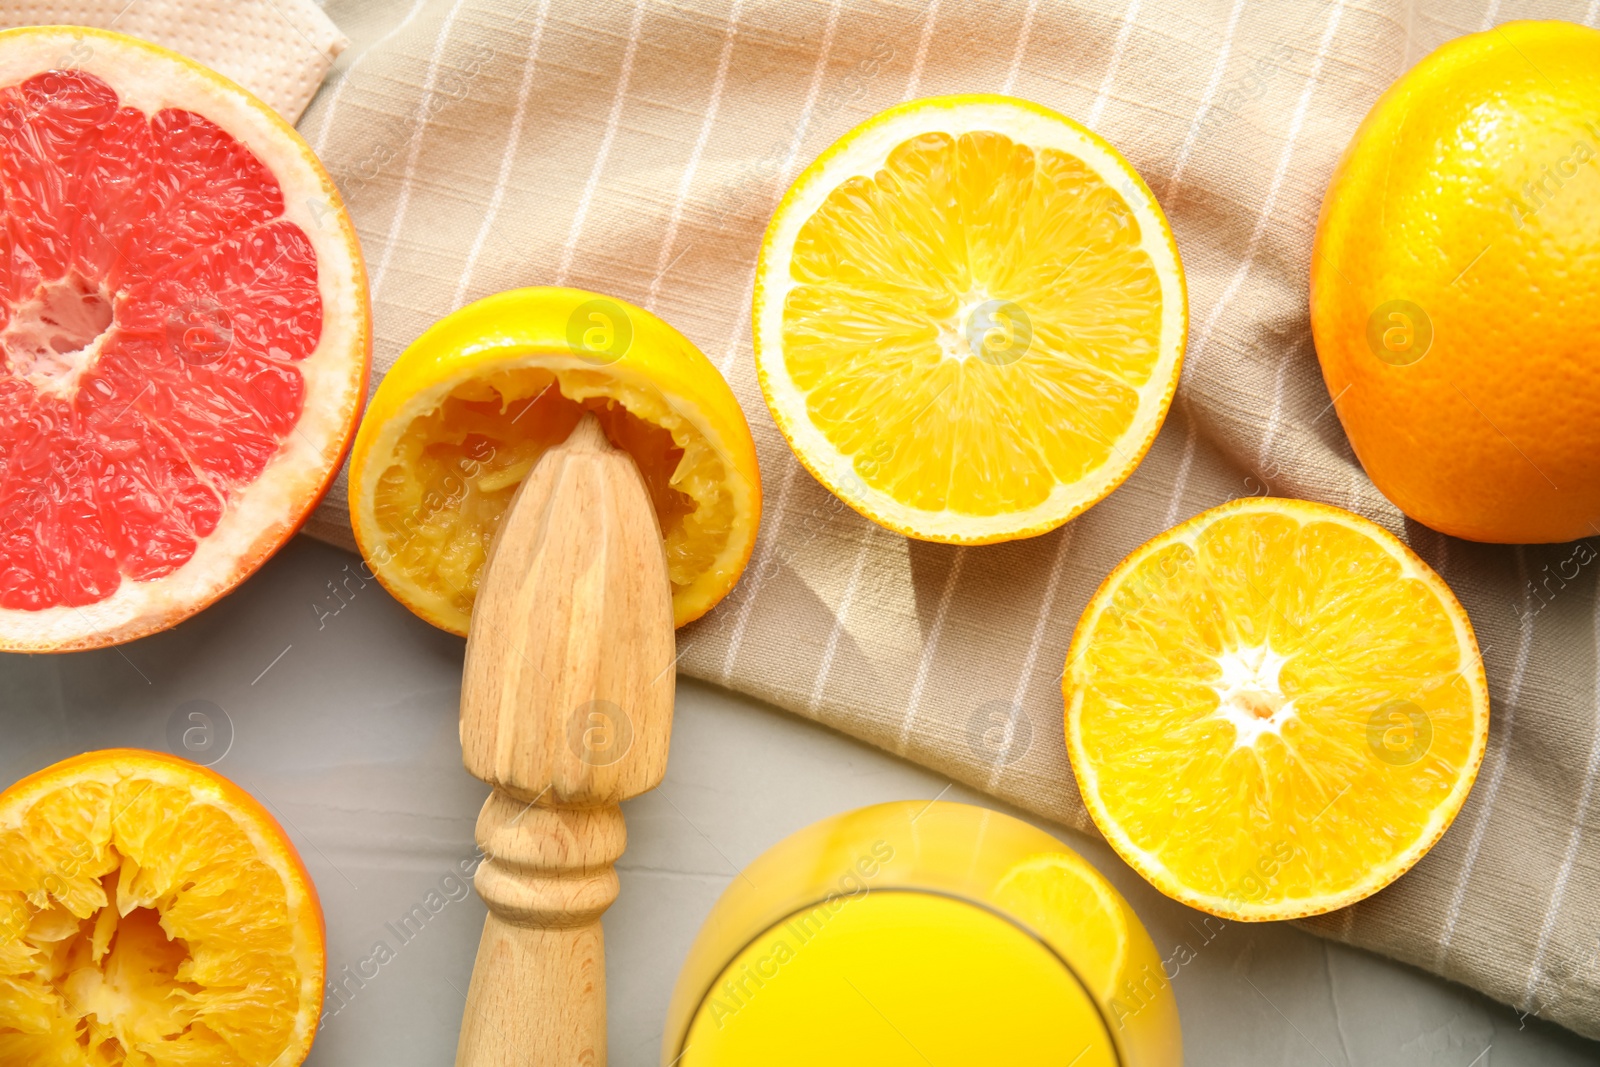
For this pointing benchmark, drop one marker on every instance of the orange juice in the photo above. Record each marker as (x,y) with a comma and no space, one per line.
(913,933)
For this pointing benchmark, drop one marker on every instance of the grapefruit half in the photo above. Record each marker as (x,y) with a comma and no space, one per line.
(184,336)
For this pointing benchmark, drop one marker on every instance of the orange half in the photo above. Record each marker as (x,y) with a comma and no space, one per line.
(1274,709)
(969,318)
(152,914)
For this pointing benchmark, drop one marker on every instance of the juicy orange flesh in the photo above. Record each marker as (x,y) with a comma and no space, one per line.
(139,926)
(153,306)
(1180,668)
(457,466)
(970,324)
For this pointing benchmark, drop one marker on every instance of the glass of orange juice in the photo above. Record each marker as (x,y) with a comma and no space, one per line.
(913,933)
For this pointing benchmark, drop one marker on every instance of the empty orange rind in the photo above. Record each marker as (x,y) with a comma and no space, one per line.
(152,912)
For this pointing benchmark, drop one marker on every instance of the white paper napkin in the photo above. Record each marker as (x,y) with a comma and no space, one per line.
(278,49)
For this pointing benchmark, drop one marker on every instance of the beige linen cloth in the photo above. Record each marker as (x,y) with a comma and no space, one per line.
(637,148)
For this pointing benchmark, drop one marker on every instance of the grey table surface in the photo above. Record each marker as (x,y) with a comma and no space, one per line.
(337,708)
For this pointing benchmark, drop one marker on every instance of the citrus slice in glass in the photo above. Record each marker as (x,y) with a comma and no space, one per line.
(1274,709)
(1066,901)
(152,913)
(969,318)
(471,405)
(184,336)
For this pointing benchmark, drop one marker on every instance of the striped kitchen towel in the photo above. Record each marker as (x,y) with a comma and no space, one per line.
(638,147)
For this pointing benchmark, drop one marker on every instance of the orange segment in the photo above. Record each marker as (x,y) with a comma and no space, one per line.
(969,318)
(469,408)
(1274,709)
(152,914)
(1069,903)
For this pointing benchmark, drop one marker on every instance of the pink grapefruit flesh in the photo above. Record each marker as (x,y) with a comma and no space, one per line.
(184,337)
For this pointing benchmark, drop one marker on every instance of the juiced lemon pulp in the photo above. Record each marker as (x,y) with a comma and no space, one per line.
(456,468)
(469,408)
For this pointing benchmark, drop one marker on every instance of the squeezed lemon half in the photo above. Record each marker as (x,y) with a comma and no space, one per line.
(471,405)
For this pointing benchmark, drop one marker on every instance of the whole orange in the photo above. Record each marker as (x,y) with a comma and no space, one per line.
(1455,286)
